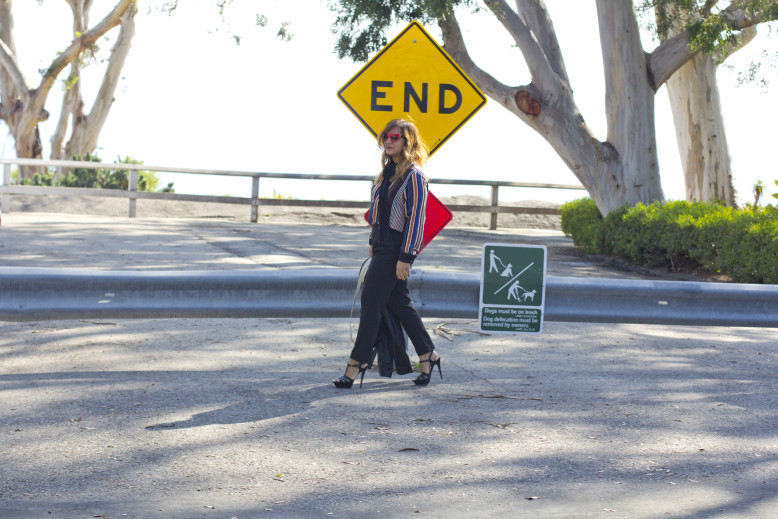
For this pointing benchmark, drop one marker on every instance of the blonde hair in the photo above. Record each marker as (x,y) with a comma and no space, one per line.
(414,149)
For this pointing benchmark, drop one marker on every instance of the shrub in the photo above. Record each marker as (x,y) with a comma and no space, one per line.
(742,244)
(583,222)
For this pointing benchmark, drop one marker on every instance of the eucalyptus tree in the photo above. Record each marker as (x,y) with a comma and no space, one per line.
(620,169)
(694,94)
(23,102)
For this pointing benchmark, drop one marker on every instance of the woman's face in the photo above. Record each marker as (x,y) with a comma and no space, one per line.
(393,143)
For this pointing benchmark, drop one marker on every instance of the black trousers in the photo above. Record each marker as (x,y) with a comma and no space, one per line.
(382,289)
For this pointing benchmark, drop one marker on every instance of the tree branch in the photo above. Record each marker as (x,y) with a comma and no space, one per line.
(674,52)
(744,37)
(536,17)
(668,57)
(105,96)
(39,95)
(455,46)
(540,69)
(706,9)
(8,62)
(558,120)
(8,88)
(69,100)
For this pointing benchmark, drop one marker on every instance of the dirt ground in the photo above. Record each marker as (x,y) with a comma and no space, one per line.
(319,215)
(464,221)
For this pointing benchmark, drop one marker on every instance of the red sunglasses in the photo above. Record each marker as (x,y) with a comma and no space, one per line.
(391,137)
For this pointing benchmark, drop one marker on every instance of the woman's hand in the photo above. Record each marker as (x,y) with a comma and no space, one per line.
(403,270)
(370,250)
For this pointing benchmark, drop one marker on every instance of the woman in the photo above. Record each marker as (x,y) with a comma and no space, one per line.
(397,205)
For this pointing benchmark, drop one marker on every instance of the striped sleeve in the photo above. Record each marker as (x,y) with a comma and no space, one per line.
(415,209)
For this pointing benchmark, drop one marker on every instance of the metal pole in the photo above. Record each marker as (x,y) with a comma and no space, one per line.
(495,198)
(5,201)
(254,199)
(133,187)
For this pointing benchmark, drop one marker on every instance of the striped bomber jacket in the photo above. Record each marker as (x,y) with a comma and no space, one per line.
(408,211)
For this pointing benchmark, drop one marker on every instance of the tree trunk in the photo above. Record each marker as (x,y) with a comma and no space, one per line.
(72,96)
(8,92)
(622,170)
(629,111)
(86,128)
(699,122)
(699,130)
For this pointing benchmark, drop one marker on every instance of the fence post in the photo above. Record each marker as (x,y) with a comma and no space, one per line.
(495,196)
(5,200)
(133,187)
(254,199)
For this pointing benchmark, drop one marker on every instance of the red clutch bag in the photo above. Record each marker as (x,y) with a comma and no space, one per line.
(436,218)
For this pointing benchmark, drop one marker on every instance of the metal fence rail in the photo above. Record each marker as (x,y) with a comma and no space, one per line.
(132,193)
(35,294)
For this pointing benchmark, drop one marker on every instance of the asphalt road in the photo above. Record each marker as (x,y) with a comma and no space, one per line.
(238,418)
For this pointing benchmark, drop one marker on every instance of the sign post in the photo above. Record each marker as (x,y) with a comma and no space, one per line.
(413,78)
(513,288)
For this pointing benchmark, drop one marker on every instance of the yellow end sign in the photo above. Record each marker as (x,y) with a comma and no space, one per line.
(413,77)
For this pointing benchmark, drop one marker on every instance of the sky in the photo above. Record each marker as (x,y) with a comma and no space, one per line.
(192,97)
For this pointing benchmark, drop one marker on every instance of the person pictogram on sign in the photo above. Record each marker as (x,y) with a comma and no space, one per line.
(493,259)
(514,281)
(513,291)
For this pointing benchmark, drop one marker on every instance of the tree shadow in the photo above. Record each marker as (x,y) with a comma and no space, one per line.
(584,417)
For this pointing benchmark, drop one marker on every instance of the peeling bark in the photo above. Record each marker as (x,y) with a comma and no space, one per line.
(526,103)
(699,122)
(699,129)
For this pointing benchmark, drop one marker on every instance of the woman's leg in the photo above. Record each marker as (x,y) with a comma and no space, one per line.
(400,303)
(379,282)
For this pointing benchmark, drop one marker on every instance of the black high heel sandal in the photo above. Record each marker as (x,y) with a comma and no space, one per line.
(347,382)
(424,378)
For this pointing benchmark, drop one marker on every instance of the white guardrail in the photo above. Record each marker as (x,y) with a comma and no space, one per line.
(132,193)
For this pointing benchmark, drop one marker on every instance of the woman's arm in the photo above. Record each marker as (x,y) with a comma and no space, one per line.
(415,209)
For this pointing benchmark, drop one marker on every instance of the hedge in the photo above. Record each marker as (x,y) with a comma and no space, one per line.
(742,244)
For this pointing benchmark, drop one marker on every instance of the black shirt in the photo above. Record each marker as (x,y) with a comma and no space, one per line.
(385,207)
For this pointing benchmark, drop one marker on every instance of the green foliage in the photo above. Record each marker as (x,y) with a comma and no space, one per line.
(710,34)
(87,177)
(362,25)
(226,13)
(583,222)
(45,178)
(147,180)
(707,22)
(742,244)
(709,25)
(775,195)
